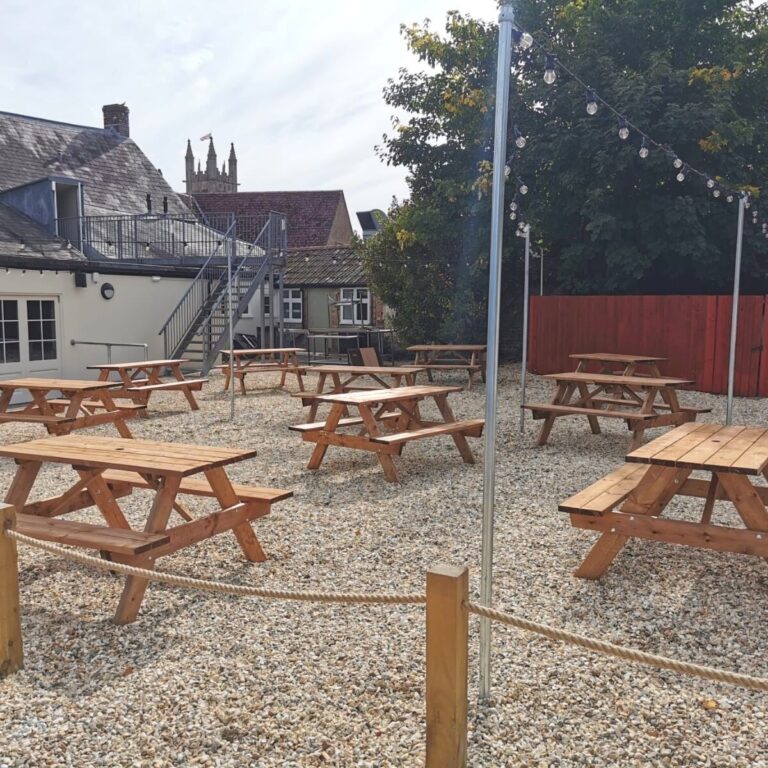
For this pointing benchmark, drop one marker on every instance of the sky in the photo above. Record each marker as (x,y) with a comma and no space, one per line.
(296,85)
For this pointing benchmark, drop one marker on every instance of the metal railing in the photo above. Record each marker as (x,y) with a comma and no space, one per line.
(110,344)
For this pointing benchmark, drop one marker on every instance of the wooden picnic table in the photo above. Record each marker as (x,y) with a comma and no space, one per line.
(446,357)
(109,469)
(643,402)
(629,502)
(245,361)
(333,379)
(395,409)
(81,404)
(623,365)
(140,379)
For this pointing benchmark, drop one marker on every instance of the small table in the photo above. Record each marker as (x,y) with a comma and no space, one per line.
(343,377)
(395,408)
(624,365)
(245,361)
(83,404)
(111,468)
(140,379)
(467,357)
(644,402)
(629,501)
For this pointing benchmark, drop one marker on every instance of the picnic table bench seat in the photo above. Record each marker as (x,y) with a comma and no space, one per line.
(606,493)
(186,384)
(61,402)
(121,541)
(540,411)
(352,421)
(468,427)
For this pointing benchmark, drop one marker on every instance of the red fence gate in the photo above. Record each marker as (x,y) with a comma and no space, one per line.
(693,332)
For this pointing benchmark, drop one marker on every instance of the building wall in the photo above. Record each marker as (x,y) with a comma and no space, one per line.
(35,201)
(136,312)
(341,230)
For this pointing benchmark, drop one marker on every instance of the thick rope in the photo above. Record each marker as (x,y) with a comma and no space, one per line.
(241,590)
(598,646)
(620,652)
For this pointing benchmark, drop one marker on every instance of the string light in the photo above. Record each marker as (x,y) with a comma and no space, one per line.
(520,140)
(549,70)
(623,129)
(591,102)
(523,187)
(644,151)
(677,162)
(729,198)
(710,183)
(682,173)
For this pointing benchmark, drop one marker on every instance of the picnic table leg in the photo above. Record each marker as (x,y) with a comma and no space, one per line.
(179,376)
(241,376)
(562,395)
(103,498)
(649,497)
(593,424)
(226,496)
(748,504)
(21,485)
(109,404)
(316,459)
(372,428)
(135,586)
(225,371)
(458,437)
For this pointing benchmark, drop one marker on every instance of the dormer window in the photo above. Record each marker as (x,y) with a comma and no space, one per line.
(68,211)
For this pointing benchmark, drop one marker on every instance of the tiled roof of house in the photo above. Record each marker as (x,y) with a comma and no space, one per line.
(324,267)
(311,215)
(22,239)
(117,176)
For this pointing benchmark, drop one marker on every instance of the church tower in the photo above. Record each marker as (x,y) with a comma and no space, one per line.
(212,179)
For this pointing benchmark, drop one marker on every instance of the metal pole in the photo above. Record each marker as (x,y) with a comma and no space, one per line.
(506,20)
(541,272)
(526,295)
(735,309)
(231,331)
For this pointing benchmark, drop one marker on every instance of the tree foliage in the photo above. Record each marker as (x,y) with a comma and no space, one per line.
(693,74)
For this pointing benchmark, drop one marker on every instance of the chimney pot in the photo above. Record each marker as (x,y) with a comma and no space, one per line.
(116,117)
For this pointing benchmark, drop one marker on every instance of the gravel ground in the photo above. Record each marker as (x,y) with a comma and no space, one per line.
(204,679)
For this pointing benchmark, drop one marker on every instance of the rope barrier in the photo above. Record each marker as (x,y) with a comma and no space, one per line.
(240,590)
(598,646)
(620,652)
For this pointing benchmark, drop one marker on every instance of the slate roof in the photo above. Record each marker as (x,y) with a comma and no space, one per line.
(311,214)
(24,240)
(318,267)
(116,173)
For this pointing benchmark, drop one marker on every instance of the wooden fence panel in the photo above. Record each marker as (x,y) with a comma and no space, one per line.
(693,332)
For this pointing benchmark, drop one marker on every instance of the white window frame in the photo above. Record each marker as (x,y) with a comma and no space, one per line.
(292,298)
(352,314)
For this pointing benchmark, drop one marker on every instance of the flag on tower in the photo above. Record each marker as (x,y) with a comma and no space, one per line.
(206,137)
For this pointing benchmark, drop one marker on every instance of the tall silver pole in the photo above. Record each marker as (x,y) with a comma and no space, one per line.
(231,332)
(735,309)
(506,20)
(526,302)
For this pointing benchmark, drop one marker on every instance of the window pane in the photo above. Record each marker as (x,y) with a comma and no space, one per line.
(33,310)
(13,352)
(10,310)
(2,353)
(11,330)
(34,329)
(49,312)
(35,350)
(49,329)
(297,311)
(49,350)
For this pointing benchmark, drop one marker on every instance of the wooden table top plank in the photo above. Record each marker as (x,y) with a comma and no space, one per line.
(755,459)
(145,456)
(58,385)
(247,352)
(612,357)
(609,378)
(702,452)
(672,452)
(646,452)
(361,370)
(734,449)
(373,396)
(447,348)
(137,364)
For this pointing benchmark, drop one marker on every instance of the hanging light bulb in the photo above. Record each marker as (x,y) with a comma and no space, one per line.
(526,41)
(623,129)
(644,149)
(549,69)
(591,102)
(677,162)
(512,216)
(710,183)
(729,198)
(523,187)
(716,192)
(520,141)
(507,171)
(513,206)
(682,173)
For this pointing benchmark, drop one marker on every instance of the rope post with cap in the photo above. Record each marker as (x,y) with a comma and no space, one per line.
(506,21)
(11,648)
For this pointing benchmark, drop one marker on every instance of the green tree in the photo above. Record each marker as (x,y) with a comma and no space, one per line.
(692,74)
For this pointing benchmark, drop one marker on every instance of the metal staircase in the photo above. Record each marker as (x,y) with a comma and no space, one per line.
(198,328)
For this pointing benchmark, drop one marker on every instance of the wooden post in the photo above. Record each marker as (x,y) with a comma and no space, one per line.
(447,642)
(11,652)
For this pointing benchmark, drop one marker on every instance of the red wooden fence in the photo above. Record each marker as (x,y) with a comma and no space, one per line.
(693,332)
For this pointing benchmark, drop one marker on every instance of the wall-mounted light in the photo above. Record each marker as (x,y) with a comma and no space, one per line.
(156,278)
(95,277)
(107,291)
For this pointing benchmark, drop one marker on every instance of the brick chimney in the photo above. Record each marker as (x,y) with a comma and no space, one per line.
(116,116)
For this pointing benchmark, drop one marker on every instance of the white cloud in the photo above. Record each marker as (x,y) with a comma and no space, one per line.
(296,85)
